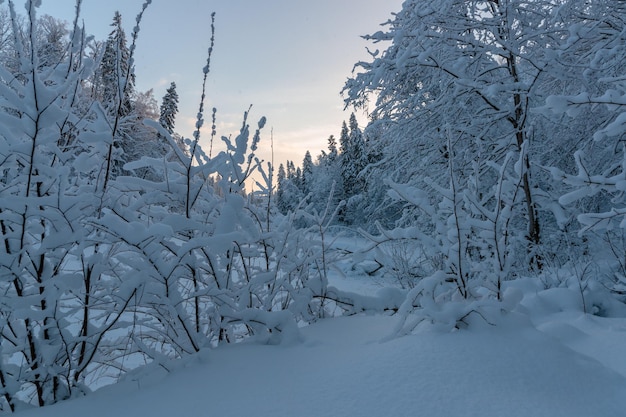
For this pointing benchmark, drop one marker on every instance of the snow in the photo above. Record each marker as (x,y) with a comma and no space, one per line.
(555,361)
(459,345)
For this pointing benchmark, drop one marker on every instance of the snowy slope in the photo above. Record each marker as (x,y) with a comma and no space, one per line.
(342,367)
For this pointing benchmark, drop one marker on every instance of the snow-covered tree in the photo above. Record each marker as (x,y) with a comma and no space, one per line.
(353,157)
(348,172)
(57,338)
(290,188)
(353,162)
(281,183)
(332,149)
(51,40)
(474,70)
(595,52)
(169,108)
(114,81)
(307,173)
(327,184)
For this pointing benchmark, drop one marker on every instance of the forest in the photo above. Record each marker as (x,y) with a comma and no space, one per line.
(493,154)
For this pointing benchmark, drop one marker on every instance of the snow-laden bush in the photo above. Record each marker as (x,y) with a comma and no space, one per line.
(102,269)
(595,193)
(466,253)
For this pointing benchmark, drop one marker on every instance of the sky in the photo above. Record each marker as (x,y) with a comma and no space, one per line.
(287,58)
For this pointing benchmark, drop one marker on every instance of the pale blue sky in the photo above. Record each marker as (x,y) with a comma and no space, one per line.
(289,58)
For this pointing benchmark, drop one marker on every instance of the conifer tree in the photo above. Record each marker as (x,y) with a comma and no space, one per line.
(354,157)
(289,187)
(332,149)
(114,81)
(169,108)
(281,179)
(344,138)
(344,148)
(298,179)
(291,170)
(358,151)
(307,173)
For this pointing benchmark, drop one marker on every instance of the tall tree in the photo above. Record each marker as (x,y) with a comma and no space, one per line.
(169,108)
(289,190)
(332,149)
(347,173)
(51,40)
(281,180)
(465,74)
(595,51)
(358,155)
(344,138)
(307,173)
(114,81)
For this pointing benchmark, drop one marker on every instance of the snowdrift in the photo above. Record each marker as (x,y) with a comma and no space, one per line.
(348,367)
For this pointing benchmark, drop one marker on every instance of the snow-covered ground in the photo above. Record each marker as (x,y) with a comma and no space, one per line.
(546,359)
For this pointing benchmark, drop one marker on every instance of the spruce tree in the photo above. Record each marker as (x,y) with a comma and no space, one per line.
(169,108)
(289,191)
(298,179)
(358,153)
(332,149)
(281,203)
(345,160)
(307,173)
(344,138)
(114,81)
(291,170)
(353,157)
(113,85)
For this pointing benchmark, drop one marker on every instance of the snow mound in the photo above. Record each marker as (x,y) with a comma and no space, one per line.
(343,368)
